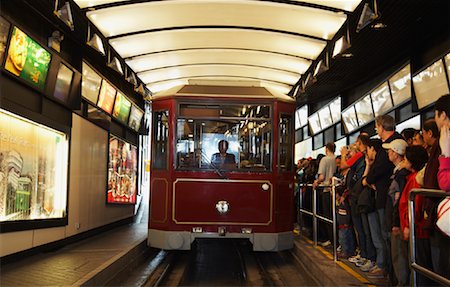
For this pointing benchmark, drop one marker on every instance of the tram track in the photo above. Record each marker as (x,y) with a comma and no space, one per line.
(219,263)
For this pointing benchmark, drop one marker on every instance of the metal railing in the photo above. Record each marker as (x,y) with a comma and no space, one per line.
(412,239)
(316,216)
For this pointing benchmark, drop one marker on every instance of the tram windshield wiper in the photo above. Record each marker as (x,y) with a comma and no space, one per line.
(216,168)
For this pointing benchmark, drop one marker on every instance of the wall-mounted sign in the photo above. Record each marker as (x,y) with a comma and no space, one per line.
(135,118)
(122,108)
(27,59)
(63,83)
(122,172)
(106,98)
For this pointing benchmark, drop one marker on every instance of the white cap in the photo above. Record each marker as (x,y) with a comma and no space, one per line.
(398,145)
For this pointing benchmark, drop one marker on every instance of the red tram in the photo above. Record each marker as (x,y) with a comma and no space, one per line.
(222,167)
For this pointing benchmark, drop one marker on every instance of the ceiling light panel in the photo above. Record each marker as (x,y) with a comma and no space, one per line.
(92,3)
(219,56)
(347,5)
(219,70)
(207,80)
(160,41)
(256,14)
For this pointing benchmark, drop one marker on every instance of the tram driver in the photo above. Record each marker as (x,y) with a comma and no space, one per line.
(222,158)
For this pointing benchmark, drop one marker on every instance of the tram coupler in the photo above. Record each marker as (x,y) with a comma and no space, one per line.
(222,231)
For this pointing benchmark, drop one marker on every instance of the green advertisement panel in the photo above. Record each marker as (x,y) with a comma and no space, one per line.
(27,59)
(122,108)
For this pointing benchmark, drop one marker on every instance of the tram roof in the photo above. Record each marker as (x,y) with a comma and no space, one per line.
(168,43)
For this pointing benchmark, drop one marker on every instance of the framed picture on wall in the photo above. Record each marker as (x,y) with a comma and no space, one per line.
(122,172)
(27,60)
(63,83)
(4,33)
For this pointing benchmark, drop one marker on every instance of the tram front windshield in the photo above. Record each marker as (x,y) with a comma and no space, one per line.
(226,137)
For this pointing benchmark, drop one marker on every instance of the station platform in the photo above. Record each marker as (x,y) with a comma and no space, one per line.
(93,261)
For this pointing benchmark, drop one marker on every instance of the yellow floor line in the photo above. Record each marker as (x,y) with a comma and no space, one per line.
(342,265)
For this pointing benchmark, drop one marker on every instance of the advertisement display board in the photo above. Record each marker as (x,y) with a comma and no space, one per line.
(33,170)
(122,108)
(135,118)
(314,123)
(107,96)
(381,99)
(400,84)
(27,59)
(63,83)
(349,118)
(90,84)
(430,84)
(4,31)
(122,172)
(364,110)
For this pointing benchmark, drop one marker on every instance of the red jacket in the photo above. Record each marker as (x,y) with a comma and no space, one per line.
(403,207)
(444,173)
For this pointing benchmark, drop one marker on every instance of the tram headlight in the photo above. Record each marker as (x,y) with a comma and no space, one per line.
(222,206)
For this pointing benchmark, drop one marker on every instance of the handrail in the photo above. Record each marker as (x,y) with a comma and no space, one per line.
(412,250)
(316,216)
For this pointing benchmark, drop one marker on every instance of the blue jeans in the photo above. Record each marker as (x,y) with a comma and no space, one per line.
(347,241)
(379,236)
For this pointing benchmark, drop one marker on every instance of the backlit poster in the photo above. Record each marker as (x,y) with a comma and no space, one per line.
(135,118)
(4,29)
(400,84)
(381,99)
(430,84)
(90,84)
(122,108)
(27,59)
(364,110)
(63,82)
(33,170)
(122,172)
(106,98)
(349,118)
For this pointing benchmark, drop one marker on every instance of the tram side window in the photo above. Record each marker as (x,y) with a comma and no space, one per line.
(231,137)
(285,150)
(160,138)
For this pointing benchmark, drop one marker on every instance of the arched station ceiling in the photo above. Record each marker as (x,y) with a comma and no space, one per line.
(170,42)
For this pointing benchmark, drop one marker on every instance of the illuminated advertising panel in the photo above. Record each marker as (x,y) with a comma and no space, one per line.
(27,59)
(335,108)
(349,119)
(4,30)
(401,85)
(106,97)
(314,123)
(63,82)
(90,84)
(301,117)
(122,172)
(447,64)
(325,117)
(430,84)
(122,108)
(136,115)
(381,99)
(33,170)
(364,110)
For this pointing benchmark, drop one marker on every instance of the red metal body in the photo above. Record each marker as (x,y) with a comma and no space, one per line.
(182,199)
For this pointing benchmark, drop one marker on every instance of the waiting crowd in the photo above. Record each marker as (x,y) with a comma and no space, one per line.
(372,203)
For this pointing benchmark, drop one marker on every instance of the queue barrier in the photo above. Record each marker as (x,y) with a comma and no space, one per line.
(412,239)
(315,216)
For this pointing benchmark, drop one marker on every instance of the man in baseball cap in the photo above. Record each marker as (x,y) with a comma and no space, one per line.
(399,248)
(398,146)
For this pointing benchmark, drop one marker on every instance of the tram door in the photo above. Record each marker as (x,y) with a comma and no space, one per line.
(160,169)
(285,194)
